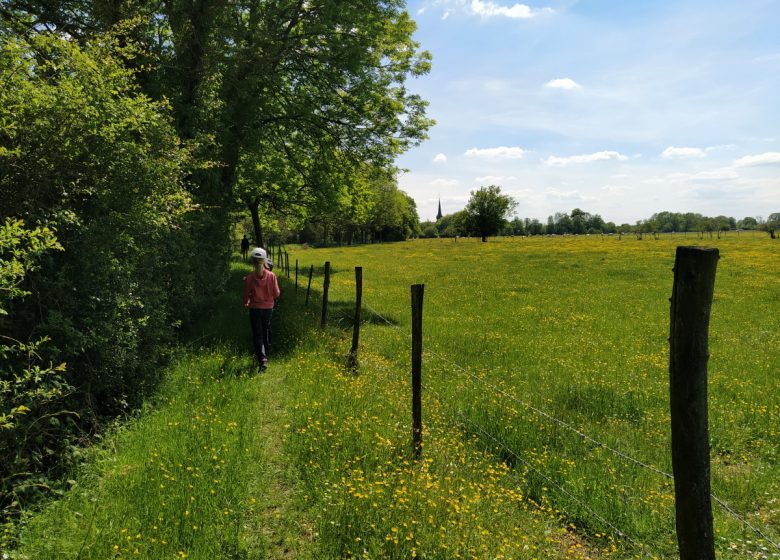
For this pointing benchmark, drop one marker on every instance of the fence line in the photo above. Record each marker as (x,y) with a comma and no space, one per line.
(465,423)
(539,411)
(745,522)
(562,423)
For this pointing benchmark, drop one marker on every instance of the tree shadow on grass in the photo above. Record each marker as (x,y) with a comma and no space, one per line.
(225,325)
(341,314)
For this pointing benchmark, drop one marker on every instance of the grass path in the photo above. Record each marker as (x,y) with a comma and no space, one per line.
(275,528)
(200,472)
(306,461)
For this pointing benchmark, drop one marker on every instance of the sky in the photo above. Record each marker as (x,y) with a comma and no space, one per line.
(620,108)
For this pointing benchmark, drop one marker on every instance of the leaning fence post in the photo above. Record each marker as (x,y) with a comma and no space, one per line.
(417,308)
(325,287)
(694,281)
(308,288)
(352,360)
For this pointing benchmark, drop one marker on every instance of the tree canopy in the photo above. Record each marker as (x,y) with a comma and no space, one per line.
(131,134)
(487,209)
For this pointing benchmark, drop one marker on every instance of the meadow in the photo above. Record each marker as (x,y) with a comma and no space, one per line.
(529,343)
(545,409)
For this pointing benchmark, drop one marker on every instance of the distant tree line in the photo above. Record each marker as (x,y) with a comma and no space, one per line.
(579,222)
(377,211)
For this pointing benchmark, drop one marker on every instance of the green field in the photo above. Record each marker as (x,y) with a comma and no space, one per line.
(577,328)
(528,345)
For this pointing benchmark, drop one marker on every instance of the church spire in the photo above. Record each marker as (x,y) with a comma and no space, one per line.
(439,214)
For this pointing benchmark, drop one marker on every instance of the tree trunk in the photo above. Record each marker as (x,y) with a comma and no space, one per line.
(484,239)
(258,231)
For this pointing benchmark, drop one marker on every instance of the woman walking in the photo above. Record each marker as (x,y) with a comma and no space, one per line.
(260,292)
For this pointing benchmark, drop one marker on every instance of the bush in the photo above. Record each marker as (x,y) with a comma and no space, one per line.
(82,152)
(30,389)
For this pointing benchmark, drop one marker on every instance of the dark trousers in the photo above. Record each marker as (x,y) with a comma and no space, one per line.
(260,321)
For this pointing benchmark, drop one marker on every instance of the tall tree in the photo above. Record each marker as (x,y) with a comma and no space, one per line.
(488,208)
(283,96)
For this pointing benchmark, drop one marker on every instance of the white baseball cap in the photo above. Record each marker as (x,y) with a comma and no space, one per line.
(259,253)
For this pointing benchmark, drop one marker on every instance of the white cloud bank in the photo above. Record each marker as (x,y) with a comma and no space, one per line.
(568,197)
(563,83)
(556,161)
(516,11)
(768,158)
(679,153)
(493,179)
(439,158)
(445,182)
(501,152)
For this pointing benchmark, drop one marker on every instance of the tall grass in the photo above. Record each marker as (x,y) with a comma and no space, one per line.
(188,475)
(312,460)
(578,327)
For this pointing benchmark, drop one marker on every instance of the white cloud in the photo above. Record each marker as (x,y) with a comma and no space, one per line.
(445,182)
(672,153)
(617,189)
(557,161)
(516,11)
(767,158)
(502,152)
(567,196)
(563,83)
(493,179)
(720,147)
(719,174)
(421,11)
(439,158)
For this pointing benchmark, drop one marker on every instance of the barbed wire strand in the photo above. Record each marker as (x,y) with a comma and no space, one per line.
(466,423)
(744,521)
(583,435)
(539,411)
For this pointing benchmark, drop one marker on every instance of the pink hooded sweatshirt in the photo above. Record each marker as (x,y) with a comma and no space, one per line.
(260,292)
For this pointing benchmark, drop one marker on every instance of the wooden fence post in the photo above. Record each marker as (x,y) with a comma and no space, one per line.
(352,360)
(287,263)
(296,276)
(694,281)
(308,288)
(417,308)
(325,287)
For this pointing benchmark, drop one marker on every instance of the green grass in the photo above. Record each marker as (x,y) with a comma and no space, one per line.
(195,474)
(578,327)
(313,460)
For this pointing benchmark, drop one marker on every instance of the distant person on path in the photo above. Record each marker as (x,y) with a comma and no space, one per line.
(244,247)
(260,293)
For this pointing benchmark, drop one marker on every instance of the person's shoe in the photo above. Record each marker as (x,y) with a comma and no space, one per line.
(264,365)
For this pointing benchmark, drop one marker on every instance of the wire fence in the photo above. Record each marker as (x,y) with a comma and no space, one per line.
(567,426)
(464,422)
(467,424)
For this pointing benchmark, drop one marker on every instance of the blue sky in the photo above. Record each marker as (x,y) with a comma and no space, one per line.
(620,108)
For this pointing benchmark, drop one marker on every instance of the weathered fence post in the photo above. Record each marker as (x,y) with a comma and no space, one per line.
(308,288)
(417,308)
(287,263)
(694,281)
(352,360)
(325,287)
(296,276)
